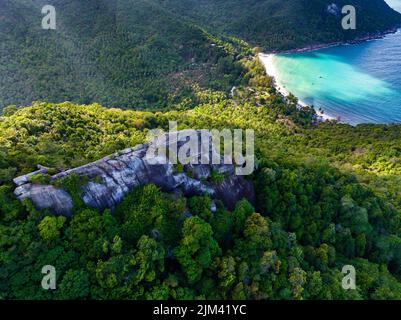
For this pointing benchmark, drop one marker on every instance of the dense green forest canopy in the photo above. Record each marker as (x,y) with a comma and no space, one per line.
(327,193)
(149,53)
(318,207)
(120,53)
(286,24)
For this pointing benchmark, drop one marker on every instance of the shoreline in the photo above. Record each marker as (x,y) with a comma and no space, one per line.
(267,61)
(319,46)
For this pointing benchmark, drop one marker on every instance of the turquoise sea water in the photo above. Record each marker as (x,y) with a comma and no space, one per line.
(355,83)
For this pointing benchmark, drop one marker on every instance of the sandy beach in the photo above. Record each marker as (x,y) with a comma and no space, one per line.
(267,60)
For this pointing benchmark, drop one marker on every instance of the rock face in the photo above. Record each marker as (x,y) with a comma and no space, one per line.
(112,177)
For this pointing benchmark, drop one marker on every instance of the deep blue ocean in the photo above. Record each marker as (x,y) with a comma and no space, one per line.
(354,83)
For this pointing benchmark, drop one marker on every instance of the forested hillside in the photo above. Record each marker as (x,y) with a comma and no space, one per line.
(120,53)
(327,194)
(149,53)
(286,24)
(315,209)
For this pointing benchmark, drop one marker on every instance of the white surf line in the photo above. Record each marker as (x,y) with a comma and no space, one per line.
(271,70)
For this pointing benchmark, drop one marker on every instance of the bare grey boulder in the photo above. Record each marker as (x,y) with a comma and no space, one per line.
(112,177)
(46,197)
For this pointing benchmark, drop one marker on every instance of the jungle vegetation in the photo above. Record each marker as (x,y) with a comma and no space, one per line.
(327,194)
